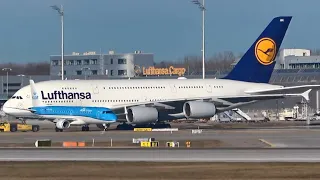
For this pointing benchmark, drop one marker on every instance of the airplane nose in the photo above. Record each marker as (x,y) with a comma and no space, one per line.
(7,110)
(10,110)
(4,108)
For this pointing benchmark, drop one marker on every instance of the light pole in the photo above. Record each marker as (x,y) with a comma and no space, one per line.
(85,69)
(61,13)
(7,70)
(203,9)
(21,75)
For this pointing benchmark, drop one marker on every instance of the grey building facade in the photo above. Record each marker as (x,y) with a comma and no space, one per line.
(110,65)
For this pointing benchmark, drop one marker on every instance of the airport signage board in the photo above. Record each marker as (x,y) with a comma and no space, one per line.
(153,71)
(138,140)
(196,131)
(142,129)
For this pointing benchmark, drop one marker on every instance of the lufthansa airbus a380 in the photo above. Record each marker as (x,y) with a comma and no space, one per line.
(150,101)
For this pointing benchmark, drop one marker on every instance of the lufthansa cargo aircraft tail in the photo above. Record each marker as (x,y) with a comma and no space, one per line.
(258,62)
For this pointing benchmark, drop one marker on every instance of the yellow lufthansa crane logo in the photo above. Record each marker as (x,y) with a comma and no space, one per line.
(265,51)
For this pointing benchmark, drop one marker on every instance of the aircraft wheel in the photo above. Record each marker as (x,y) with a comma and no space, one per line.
(59,130)
(35,128)
(85,128)
(125,127)
(168,125)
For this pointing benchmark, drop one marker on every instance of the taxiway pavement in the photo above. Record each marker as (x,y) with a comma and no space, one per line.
(234,138)
(280,135)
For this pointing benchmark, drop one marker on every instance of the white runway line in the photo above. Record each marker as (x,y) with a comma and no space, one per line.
(163,155)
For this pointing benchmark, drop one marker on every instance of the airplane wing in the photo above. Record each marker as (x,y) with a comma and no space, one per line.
(223,101)
(284,90)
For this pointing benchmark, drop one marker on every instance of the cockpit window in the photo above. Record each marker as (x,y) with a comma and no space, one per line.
(16,97)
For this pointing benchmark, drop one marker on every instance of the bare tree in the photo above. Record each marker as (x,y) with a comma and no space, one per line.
(218,62)
(42,68)
(315,52)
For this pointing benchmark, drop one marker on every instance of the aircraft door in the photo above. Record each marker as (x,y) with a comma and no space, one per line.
(71,112)
(173,88)
(95,88)
(79,102)
(98,114)
(209,88)
(144,98)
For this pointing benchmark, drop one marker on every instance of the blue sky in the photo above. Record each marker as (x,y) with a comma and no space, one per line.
(170,29)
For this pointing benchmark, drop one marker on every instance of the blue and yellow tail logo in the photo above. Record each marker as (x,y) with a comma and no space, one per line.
(257,64)
(265,51)
(34,95)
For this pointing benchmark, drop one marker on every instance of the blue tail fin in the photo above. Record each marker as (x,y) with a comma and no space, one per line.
(258,62)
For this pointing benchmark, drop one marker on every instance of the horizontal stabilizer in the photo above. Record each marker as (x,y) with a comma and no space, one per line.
(305,95)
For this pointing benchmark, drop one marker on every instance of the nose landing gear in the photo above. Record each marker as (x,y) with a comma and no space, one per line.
(103,127)
(106,126)
(23,121)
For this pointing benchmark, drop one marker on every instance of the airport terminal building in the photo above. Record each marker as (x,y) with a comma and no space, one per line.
(93,64)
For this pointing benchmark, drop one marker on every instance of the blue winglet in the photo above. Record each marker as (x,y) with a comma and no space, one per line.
(258,62)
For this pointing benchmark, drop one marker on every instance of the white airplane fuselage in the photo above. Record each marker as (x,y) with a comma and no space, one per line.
(112,93)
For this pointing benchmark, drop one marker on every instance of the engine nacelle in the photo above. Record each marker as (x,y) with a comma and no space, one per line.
(142,115)
(62,124)
(198,109)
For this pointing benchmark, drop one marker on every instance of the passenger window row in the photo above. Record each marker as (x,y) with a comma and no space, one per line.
(185,87)
(57,101)
(157,99)
(148,87)
(194,87)
(130,100)
(87,112)
(68,88)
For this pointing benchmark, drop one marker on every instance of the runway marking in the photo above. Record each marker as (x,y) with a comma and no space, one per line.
(266,142)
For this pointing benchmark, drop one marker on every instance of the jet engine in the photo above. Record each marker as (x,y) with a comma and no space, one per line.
(142,115)
(198,109)
(62,124)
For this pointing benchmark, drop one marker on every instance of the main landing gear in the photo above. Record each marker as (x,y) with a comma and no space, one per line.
(154,126)
(161,125)
(59,130)
(23,121)
(125,126)
(85,128)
